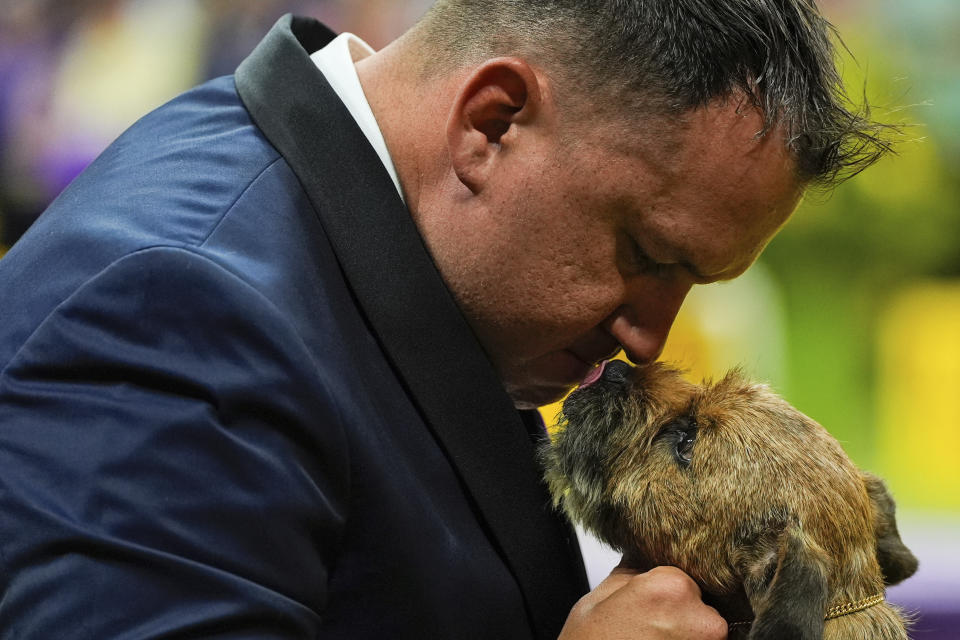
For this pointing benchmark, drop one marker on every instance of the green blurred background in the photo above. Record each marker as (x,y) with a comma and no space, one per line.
(853,313)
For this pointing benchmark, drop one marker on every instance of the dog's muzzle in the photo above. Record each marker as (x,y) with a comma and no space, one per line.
(616,372)
(612,371)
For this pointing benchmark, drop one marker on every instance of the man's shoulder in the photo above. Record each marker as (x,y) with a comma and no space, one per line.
(194,173)
(167,179)
(179,168)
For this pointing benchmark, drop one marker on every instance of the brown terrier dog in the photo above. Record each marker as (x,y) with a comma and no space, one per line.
(787,539)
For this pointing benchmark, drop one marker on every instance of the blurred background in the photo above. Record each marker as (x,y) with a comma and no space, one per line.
(853,313)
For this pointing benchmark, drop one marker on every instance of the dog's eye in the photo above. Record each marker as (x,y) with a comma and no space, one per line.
(684,448)
(681,435)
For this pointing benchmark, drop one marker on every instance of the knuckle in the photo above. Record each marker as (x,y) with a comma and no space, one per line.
(715,627)
(675,582)
(719,631)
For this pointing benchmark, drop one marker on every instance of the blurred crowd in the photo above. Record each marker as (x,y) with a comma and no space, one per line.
(74,75)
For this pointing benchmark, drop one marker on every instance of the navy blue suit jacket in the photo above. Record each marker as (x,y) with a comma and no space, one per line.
(237,400)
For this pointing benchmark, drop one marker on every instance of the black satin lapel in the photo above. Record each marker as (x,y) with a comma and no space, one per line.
(413,315)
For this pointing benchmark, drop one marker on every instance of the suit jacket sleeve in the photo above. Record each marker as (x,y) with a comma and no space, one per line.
(206,495)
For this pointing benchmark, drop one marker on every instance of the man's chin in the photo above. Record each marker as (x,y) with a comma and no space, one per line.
(534,398)
(545,380)
(537,394)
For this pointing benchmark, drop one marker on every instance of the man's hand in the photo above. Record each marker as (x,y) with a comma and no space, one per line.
(661,604)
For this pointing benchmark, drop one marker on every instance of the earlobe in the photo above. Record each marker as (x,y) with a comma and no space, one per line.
(499,96)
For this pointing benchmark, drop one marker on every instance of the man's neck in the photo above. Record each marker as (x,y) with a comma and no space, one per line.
(412,112)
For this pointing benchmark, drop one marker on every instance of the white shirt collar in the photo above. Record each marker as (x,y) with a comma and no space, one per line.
(336,62)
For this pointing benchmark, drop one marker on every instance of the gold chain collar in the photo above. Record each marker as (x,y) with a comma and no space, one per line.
(832,612)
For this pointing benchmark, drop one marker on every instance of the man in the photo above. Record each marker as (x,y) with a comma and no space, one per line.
(261,362)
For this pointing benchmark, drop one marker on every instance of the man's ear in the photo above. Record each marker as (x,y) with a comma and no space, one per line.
(500,95)
(896,561)
(786,583)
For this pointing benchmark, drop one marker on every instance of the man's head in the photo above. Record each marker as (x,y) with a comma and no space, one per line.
(637,58)
(576,167)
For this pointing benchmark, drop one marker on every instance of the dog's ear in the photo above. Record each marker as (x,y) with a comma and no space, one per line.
(786,583)
(896,561)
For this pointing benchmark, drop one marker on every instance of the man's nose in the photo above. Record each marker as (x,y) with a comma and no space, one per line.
(642,323)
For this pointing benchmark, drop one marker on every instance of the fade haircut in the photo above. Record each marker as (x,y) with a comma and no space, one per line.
(666,57)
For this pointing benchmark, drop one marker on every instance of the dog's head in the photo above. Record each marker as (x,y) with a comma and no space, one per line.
(754,500)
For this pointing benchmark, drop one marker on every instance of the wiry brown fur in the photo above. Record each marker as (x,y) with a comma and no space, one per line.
(770,517)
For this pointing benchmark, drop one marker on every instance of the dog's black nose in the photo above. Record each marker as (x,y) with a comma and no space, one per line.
(616,371)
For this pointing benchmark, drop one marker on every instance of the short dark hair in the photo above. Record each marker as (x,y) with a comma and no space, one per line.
(670,56)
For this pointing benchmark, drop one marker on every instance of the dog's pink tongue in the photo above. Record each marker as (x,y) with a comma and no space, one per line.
(594,375)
